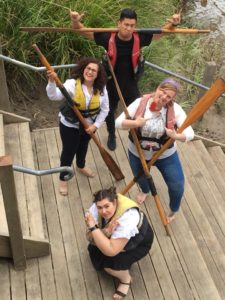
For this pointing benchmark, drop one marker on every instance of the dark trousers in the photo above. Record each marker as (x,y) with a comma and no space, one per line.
(74,142)
(113,104)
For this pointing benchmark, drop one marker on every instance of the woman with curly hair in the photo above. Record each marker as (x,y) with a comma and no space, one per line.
(87,89)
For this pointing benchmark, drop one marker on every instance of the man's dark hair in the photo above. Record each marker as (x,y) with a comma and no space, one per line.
(128,13)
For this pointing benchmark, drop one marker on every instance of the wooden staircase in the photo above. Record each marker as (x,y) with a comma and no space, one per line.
(188,265)
(16,145)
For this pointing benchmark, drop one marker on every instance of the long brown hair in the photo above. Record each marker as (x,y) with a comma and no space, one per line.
(101,78)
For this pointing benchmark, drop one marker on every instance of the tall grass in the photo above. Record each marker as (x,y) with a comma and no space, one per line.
(172,52)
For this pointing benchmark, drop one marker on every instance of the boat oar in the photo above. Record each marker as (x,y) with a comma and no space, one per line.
(140,151)
(145,30)
(216,90)
(111,164)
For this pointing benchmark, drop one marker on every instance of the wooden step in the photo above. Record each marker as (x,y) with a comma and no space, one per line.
(218,157)
(210,166)
(2,141)
(3,223)
(19,147)
(196,214)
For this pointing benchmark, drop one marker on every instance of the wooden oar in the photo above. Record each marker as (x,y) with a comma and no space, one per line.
(139,150)
(216,90)
(146,30)
(111,164)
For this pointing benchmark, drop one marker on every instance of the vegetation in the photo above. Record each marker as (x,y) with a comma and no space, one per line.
(180,54)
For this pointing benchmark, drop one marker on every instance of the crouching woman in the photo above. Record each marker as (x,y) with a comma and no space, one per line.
(119,235)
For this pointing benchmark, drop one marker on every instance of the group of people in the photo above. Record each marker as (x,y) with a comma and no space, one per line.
(118,232)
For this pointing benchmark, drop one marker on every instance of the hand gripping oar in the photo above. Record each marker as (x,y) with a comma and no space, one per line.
(216,90)
(144,30)
(140,152)
(113,168)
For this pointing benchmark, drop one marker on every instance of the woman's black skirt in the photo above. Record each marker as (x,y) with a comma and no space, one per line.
(123,260)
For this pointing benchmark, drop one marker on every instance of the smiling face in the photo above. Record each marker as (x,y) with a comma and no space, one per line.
(126,28)
(106,208)
(90,73)
(163,96)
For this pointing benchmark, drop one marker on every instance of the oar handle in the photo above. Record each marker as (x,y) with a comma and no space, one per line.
(139,150)
(132,131)
(61,87)
(140,30)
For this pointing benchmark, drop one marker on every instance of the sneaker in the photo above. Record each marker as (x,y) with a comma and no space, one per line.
(111,143)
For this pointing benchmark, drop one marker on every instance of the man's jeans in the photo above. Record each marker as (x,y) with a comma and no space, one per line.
(172,173)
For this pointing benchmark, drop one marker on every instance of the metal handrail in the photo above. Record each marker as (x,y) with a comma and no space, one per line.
(67,177)
(42,69)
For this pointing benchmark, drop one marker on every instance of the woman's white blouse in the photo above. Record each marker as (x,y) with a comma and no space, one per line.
(180,116)
(128,222)
(55,94)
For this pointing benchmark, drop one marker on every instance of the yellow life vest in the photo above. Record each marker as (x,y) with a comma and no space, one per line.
(79,97)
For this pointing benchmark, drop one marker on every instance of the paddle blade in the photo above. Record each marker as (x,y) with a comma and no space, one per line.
(112,166)
(204,103)
(196,112)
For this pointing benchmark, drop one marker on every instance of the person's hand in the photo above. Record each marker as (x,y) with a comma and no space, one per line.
(75,16)
(171,133)
(175,20)
(89,219)
(174,135)
(140,122)
(51,75)
(91,129)
(111,227)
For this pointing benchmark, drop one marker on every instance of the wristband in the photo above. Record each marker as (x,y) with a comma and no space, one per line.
(93,228)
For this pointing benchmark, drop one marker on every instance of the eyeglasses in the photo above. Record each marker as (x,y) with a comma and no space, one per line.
(91,70)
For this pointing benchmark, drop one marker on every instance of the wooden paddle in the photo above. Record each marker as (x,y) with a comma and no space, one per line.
(145,30)
(111,164)
(216,90)
(139,150)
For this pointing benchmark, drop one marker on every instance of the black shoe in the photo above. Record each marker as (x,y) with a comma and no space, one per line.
(111,143)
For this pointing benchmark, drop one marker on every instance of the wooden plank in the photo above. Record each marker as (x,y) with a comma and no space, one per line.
(194,263)
(60,284)
(68,230)
(2,139)
(33,248)
(214,174)
(80,190)
(206,191)
(218,157)
(18,285)
(4,280)
(13,148)
(22,151)
(47,280)
(12,212)
(3,226)
(32,195)
(17,279)
(208,244)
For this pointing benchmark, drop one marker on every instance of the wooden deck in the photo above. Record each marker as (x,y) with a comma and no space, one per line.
(188,265)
